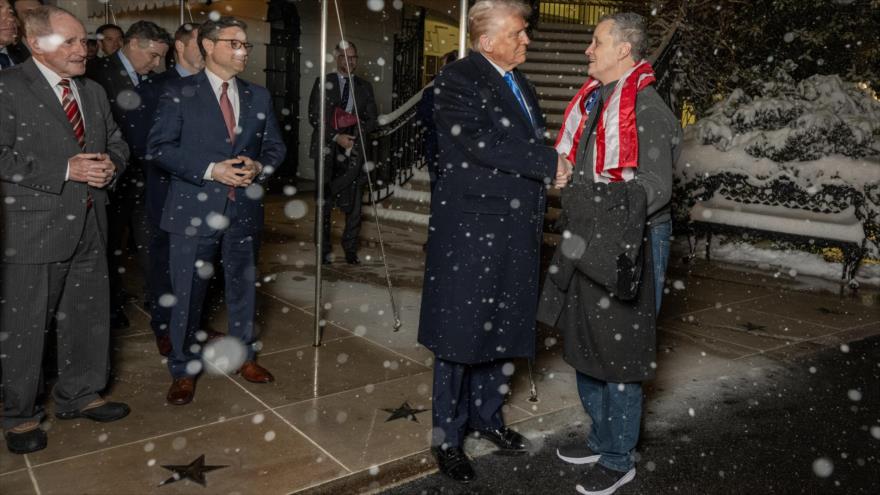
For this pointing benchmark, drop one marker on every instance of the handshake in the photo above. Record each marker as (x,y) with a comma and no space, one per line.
(563,172)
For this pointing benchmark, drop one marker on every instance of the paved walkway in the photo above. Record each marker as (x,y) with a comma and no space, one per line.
(354,414)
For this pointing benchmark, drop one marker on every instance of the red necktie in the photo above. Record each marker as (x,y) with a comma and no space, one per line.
(229,119)
(71,109)
(68,102)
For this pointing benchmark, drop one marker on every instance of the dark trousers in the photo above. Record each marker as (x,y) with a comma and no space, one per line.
(159,281)
(126,213)
(75,293)
(352,207)
(239,249)
(467,397)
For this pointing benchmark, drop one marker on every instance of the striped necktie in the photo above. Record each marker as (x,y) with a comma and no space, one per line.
(71,109)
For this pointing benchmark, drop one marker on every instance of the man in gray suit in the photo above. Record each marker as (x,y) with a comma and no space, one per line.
(59,151)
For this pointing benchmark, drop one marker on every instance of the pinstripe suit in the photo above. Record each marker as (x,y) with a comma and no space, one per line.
(52,245)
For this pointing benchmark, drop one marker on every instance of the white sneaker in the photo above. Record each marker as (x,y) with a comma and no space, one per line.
(577,454)
(603,481)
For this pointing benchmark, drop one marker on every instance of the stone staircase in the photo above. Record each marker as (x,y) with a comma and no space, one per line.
(556,65)
(408,204)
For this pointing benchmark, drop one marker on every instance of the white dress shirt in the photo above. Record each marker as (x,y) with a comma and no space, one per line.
(232,94)
(53,80)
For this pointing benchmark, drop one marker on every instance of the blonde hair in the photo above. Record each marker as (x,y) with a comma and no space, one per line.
(485,14)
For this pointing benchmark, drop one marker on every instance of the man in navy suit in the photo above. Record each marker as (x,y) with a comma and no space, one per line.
(217,136)
(188,61)
(480,293)
(120,74)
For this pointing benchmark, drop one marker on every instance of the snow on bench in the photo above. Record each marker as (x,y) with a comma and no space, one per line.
(840,229)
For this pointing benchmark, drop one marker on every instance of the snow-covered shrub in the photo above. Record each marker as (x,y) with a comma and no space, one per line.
(786,121)
(811,145)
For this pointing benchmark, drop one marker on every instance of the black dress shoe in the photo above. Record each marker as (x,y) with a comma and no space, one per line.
(507,440)
(352,259)
(326,259)
(105,413)
(27,442)
(118,321)
(454,464)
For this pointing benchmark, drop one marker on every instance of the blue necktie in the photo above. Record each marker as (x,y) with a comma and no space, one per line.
(508,78)
(5,61)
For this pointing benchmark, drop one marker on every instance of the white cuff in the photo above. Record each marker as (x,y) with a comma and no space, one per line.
(208,172)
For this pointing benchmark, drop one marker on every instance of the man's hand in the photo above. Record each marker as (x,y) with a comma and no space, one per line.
(254,167)
(79,166)
(231,172)
(95,169)
(345,140)
(101,171)
(563,172)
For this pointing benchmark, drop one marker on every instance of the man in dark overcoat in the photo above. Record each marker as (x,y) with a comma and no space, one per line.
(481,275)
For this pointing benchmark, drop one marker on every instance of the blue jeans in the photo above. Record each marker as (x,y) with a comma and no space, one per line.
(616,412)
(660,234)
(616,408)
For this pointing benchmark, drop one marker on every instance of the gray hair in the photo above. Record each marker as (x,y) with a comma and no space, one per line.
(629,27)
(485,14)
(38,22)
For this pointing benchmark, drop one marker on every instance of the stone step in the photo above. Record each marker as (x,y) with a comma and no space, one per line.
(556,92)
(561,36)
(563,27)
(561,58)
(542,80)
(573,45)
(403,216)
(554,69)
(553,106)
(410,195)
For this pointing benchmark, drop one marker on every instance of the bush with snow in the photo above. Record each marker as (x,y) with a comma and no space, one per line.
(811,145)
(784,120)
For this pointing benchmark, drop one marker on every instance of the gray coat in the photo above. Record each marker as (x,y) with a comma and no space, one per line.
(611,335)
(600,287)
(43,214)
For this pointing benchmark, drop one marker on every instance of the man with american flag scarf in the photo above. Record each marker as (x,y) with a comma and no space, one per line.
(618,129)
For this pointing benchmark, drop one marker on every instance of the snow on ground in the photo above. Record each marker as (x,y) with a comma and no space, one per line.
(782,262)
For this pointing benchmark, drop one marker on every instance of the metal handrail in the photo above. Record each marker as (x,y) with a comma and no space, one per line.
(396,149)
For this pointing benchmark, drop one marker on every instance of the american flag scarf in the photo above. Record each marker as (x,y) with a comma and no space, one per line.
(616,150)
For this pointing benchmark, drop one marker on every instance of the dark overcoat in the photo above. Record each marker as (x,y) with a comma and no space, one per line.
(480,290)
(599,290)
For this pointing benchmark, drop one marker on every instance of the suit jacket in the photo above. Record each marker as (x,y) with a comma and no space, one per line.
(481,279)
(18,52)
(43,214)
(158,179)
(366,106)
(189,134)
(110,73)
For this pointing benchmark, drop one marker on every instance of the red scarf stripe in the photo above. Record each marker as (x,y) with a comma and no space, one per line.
(620,110)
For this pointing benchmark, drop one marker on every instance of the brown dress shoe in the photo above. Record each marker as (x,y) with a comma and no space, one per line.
(182,391)
(253,372)
(163,342)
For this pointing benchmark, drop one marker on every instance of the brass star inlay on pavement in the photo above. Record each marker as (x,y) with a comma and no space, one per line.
(194,471)
(404,411)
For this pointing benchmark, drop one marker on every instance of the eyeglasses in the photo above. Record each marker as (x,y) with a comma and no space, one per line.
(237,44)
